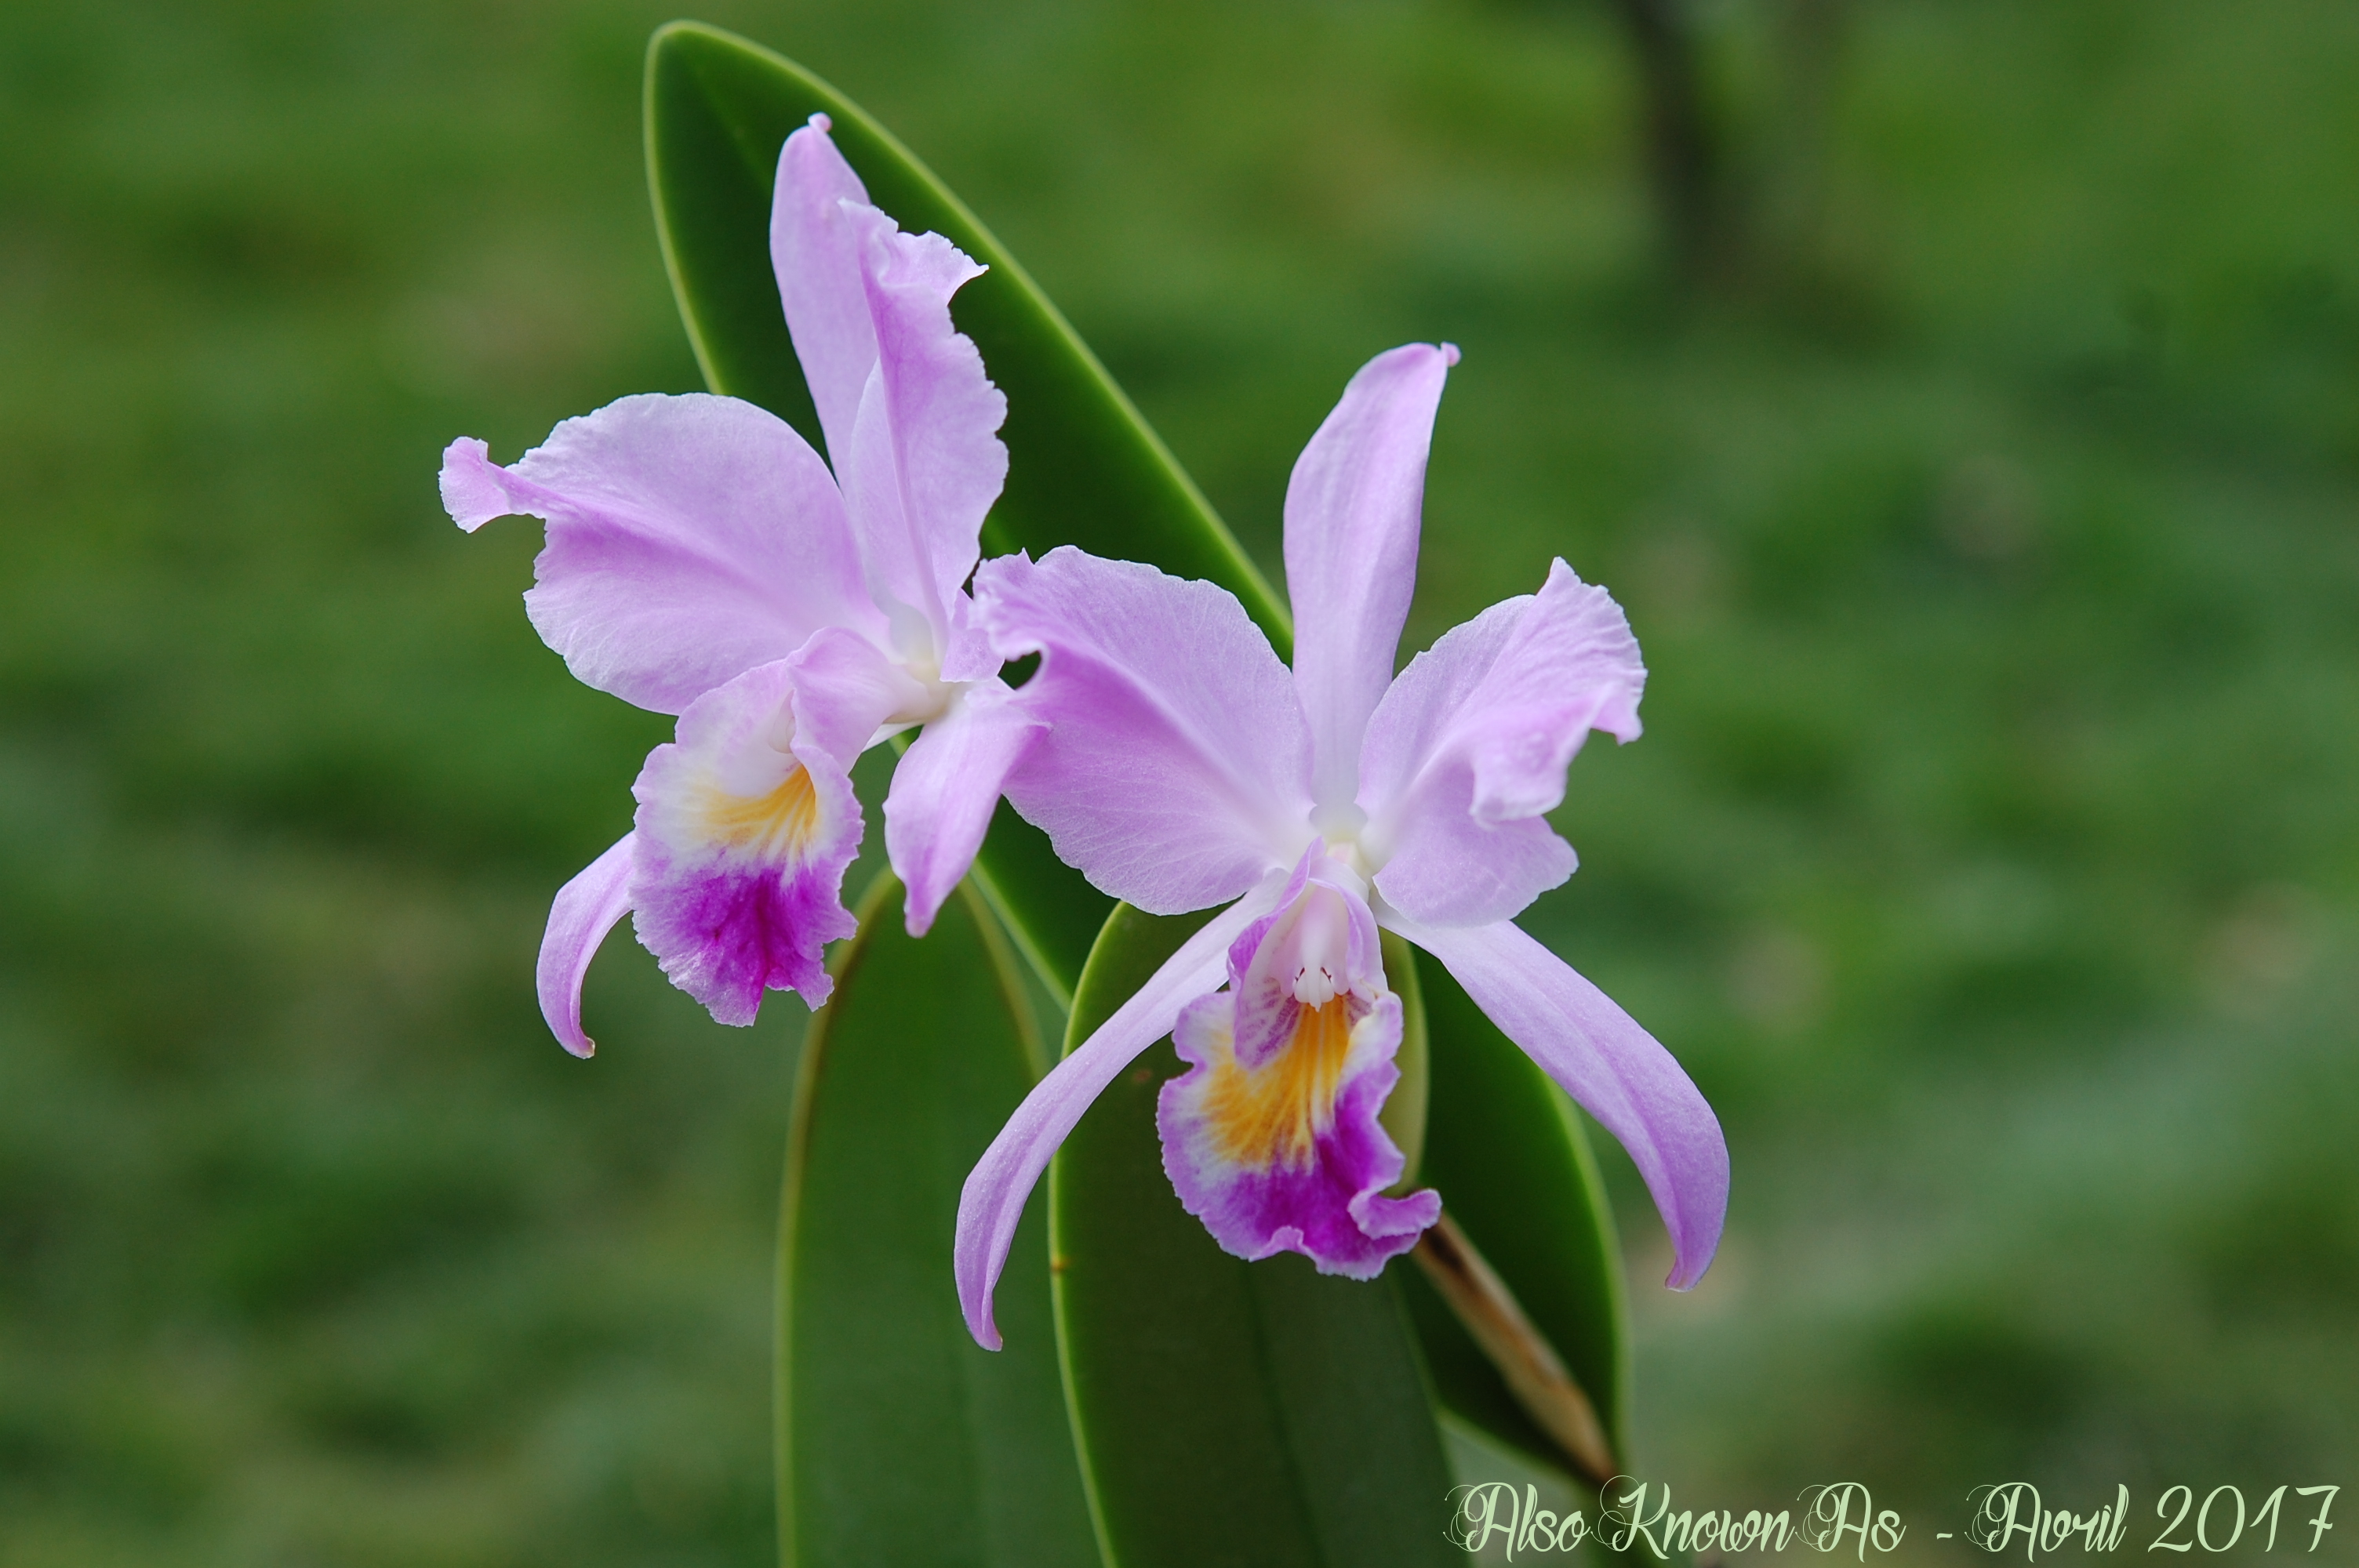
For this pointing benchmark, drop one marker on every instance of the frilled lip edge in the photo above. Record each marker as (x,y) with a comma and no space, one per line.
(1275,1145)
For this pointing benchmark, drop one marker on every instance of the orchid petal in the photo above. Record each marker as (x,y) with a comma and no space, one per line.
(745,826)
(1173,773)
(585,909)
(1450,868)
(891,562)
(943,792)
(1351,513)
(943,411)
(815,249)
(691,538)
(968,656)
(1288,1155)
(993,1200)
(1605,1060)
(909,416)
(1470,747)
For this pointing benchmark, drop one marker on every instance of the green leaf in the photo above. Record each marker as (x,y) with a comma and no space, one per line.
(1403,1117)
(1083,467)
(1226,1413)
(900,1439)
(1505,1149)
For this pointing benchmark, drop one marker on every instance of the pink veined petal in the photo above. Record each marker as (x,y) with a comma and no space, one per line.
(1567,647)
(815,250)
(993,1200)
(1351,513)
(943,792)
(868,307)
(1174,772)
(744,827)
(1438,863)
(891,564)
(1608,1063)
(475,489)
(585,909)
(1289,1156)
(690,539)
(1452,870)
(1470,747)
(943,411)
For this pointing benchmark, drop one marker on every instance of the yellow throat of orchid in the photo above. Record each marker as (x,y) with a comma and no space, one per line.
(1271,1115)
(769,826)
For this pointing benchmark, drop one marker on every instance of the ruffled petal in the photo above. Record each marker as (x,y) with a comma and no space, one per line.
(1450,868)
(1352,512)
(993,1200)
(1617,1071)
(585,909)
(1286,1154)
(943,792)
(1174,773)
(744,827)
(1470,747)
(892,562)
(910,417)
(691,538)
(942,413)
(815,250)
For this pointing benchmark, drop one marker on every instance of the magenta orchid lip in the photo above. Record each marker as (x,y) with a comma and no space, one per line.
(1271,1137)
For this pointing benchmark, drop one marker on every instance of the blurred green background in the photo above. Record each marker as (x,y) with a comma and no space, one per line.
(1982,491)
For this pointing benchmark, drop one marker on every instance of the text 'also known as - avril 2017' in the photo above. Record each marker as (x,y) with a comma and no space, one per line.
(2004,1518)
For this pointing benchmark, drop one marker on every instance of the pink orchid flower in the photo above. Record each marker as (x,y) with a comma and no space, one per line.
(1182,766)
(702,560)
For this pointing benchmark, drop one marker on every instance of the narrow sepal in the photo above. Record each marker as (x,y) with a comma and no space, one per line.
(585,909)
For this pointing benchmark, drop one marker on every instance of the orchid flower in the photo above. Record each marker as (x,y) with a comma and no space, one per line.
(1184,766)
(702,560)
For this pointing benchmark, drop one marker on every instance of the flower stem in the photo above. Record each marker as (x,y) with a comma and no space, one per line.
(1535,1374)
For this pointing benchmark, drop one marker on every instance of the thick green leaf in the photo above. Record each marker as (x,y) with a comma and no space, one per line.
(1404,1113)
(1506,1150)
(900,1439)
(1226,1413)
(1083,467)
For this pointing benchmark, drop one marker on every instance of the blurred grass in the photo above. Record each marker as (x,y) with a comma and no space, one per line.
(1991,857)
